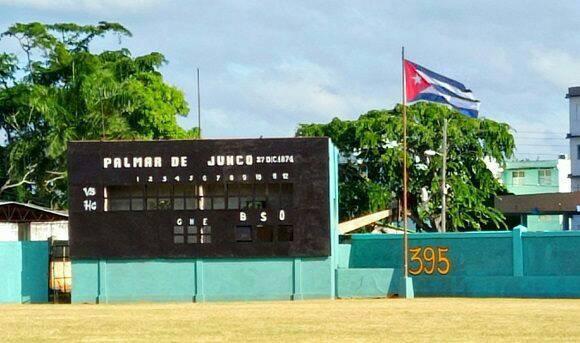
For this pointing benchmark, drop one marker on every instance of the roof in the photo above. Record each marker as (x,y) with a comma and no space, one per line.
(573,92)
(531,164)
(543,203)
(17,212)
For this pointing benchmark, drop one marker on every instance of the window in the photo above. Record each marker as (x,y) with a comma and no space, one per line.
(164,197)
(240,196)
(286,195)
(243,233)
(158,197)
(205,236)
(185,197)
(123,198)
(518,177)
(178,235)
(233,200)
(259,196)
(191,235)
(264,233)
(546,218)
(578,152)
(544,177)
(285,233)
(137,202)
(212,196)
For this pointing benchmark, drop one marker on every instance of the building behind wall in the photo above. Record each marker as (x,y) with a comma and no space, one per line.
(535,177)
(11,232)
(574,136)
(28,222)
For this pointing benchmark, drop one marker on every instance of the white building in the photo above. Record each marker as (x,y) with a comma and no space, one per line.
(574,137)
(28,222)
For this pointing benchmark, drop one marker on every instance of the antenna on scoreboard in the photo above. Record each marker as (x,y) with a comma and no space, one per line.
(198,107)
(102,115)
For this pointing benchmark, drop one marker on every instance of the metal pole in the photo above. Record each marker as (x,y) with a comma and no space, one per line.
(405,238)
(102,114)
(198,106)
(444,179)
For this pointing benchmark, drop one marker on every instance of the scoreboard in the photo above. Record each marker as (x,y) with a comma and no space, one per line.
(199,198)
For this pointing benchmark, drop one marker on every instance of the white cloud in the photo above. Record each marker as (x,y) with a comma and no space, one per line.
(271,100)
(557,67)
(302,88)
(267,67)
(81,5)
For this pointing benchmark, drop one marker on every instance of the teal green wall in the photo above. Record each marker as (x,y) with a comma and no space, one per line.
(385,251)
(367,282)
(531,185)
(24,267)
(213,279)
(10,265)
(551,253)
(484,264)
(201,280)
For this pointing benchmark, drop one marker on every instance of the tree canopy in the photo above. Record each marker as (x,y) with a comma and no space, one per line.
(371,170)
(56,90)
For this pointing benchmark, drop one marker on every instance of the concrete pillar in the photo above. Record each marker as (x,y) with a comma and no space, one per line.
(406,289)
(518,250)
(102,279)
(199,288)
(297,276)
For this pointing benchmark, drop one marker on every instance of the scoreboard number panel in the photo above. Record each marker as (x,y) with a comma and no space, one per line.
(199,198)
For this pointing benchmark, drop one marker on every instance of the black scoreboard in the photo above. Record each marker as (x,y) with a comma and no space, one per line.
(199,198)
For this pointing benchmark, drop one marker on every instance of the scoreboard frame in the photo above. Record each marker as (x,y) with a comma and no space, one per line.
(287,214)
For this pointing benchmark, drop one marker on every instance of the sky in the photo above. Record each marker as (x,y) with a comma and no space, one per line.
(267,66)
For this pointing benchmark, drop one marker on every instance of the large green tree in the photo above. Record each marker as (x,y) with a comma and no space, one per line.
(371,170)
(57,89)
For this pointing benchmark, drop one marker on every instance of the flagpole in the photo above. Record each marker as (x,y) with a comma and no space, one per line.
(443,179)
(405,238)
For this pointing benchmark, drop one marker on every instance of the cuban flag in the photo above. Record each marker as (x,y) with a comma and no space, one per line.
(424,84)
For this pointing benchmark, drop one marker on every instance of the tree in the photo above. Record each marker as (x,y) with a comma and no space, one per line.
(371,172)
(63,91)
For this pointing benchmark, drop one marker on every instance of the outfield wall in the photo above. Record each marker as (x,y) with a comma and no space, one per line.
(202,280)
(479,264)
(24,272)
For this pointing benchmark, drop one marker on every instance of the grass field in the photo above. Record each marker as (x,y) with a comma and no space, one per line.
(431,319)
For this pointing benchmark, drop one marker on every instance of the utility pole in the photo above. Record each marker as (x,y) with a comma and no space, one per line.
(405,238)
(198,107)
(444,179)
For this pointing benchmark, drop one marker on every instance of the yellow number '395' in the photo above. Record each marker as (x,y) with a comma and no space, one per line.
(427,261)
(415,257)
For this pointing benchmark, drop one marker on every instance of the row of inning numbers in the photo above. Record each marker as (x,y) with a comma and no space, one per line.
(217,178)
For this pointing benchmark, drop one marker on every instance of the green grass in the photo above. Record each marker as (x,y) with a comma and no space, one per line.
(424,319)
